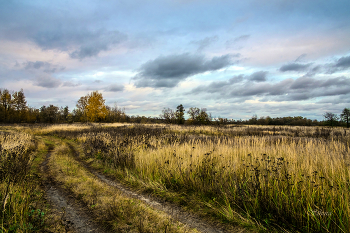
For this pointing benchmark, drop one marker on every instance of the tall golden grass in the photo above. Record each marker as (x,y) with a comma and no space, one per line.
(294,178)
(20,195)
(120,213)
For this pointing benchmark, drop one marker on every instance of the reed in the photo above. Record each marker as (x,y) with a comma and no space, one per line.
(21,207)
(271,177)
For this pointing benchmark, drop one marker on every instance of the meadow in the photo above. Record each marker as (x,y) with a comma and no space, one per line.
(262,178)
(22,209)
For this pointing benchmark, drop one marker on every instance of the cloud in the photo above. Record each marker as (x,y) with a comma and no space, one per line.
(114,88)
(226,86)
(301,57)
(241,38)
(70,84)
(84,43)
(45,66)
(47,81)
(343,62)
(231,42)
(98,42)
(168,71)
(259,76)
(202,44)
(302,88)
(294,67)
(217,86)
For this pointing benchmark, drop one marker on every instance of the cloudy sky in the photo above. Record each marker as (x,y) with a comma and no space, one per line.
(235,58)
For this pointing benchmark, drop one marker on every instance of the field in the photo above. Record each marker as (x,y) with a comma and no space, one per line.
(234,178)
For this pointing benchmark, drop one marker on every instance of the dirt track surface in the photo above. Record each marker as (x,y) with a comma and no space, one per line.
(174,211)
(75,217)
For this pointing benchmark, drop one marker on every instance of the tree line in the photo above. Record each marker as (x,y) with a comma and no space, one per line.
(92,108)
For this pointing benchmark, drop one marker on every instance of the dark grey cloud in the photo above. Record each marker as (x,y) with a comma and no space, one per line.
(259,76)
(236,40)
(61,33)
(302,88)
(339,65)
(94,43)
(315,70)
(70,84)
(241,38)
(226,86)
(47,81)
(202,44)
(217,86)
(168,71)
(114,88)
(294,67)
(301,57)
(343,62)
(44,66)
(304,83)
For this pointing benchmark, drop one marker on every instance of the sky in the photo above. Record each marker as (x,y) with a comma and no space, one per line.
(235,58)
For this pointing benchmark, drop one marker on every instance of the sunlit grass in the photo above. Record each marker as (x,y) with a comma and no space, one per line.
(298,183)
(108,204)
(22,207)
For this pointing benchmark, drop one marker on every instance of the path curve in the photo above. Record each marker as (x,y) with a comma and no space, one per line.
(172,210)
(75,217)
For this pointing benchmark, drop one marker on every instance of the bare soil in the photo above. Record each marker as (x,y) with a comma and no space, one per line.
(171,209)
(74,216)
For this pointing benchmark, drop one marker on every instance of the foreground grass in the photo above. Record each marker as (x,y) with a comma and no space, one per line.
(119,213)
(23,206)
(278,182)
(271,178)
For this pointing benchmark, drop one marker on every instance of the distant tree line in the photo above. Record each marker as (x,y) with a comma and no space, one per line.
(196,116)
(92,108)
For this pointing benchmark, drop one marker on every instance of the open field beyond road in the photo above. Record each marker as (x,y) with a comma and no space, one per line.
(161,178)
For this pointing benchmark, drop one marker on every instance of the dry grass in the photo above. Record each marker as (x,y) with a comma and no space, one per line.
(22,207)
(290,178)
(298,183)
(109,206)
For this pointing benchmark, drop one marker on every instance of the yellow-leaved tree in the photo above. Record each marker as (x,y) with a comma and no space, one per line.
(95,109)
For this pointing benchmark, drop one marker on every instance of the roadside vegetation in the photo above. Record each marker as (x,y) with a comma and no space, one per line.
(23,208)
(109,206)
(261,178)
(272,178)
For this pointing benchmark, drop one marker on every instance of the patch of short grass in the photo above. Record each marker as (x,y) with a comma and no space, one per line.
(108,205)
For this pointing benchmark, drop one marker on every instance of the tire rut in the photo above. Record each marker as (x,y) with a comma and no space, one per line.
(75,217)
(174,211)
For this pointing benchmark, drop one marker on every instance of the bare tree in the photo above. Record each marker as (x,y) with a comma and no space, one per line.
(168,115)
(331,118)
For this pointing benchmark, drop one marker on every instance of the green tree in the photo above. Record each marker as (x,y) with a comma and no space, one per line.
(65,113)
(81,105)
(199,116)
(49,114)
(96,109)
(116,114)
(193,112)
(19,105)
(168,115)
(180,114)
(204,117)
(345,116)
(6,102)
